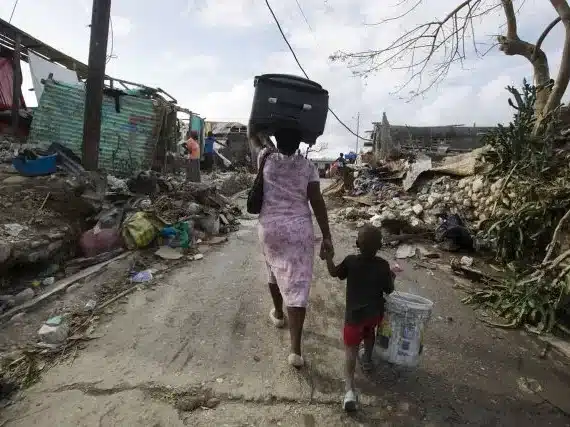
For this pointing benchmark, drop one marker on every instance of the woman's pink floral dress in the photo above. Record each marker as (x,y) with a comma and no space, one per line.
(286,225)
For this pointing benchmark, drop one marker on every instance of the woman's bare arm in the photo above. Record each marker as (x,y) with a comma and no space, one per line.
(319,208)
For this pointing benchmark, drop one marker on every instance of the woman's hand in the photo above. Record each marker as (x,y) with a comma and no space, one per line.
(327,249)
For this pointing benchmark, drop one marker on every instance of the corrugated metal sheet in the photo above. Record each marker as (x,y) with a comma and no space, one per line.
(128,137)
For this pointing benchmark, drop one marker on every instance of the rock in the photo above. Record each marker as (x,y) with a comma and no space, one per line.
(483,217)
(376,220)
(193,208)
(48,281)
(212,403)
(405,251)
(467,203)
(466,261)
(23,296)
(189,404)
(418,209)
(198,257)
(477,185)
(14,229)
(415,222)
(54,334)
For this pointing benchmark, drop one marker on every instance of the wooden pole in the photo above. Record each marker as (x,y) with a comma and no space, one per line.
(95,83)
(16,85)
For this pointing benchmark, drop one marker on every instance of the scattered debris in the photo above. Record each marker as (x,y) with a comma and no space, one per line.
(142,276)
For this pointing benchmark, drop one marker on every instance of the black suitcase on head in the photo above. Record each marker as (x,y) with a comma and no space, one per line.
(282,100)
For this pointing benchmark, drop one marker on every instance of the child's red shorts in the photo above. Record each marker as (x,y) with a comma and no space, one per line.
(354,334)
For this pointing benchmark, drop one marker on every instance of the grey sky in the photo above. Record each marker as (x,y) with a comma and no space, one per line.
(206,52)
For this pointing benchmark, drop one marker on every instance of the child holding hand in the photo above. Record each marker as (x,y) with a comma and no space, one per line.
(368,278)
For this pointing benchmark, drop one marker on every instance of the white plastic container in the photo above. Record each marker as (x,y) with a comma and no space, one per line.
(399,338)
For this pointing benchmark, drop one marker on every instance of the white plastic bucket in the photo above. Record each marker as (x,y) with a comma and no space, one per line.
(399,339)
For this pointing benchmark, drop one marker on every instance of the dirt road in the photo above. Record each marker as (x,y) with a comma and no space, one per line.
(204,331)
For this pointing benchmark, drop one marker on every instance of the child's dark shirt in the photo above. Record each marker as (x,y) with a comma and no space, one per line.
(368,279)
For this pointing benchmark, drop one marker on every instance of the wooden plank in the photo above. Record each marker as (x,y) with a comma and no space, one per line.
(16,86)
(60,286)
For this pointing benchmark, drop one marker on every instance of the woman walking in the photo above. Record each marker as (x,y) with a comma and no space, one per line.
(290,184)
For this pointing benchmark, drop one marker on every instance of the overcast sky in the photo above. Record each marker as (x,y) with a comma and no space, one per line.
(206,53)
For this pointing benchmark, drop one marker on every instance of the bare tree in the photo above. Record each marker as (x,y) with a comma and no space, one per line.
(317,148)
(428,51)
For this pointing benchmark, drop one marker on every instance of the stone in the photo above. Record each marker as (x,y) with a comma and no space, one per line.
(376,220)
(14,229)
(418,209)
(23,296)
(466,261)
(467,203)
(54,334)
(483,217)
(405,251)
(415,222)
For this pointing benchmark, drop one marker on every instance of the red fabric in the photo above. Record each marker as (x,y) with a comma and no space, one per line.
(354,334)
(6,85)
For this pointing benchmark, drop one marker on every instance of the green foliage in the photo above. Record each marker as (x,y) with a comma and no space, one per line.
(533,166)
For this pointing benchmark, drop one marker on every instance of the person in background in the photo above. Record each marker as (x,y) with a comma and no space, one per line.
(290,188)
(341,161)
(369,278)
(209,152)
(193,165)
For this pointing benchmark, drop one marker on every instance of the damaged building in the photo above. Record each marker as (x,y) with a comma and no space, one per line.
(140,126)
(457,138)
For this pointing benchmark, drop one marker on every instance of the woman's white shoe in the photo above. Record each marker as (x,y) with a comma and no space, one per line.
(350,402)
(295,360)
(278,323)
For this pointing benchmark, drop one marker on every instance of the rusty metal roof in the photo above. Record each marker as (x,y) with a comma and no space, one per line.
(8,34)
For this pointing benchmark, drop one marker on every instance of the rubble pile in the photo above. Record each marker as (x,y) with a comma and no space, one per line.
(231,183)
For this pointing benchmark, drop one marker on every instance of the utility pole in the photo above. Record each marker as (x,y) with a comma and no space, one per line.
(357,130)
(95,81)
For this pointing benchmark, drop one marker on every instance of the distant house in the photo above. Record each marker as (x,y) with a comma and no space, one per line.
(323,165)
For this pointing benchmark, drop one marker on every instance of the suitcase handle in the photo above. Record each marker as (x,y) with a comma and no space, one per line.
(304,107)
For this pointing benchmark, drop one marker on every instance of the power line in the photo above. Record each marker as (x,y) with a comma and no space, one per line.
(303,70)
(304,16)
(13,10)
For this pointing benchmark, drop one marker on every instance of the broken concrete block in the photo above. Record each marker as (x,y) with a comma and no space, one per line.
(418,209)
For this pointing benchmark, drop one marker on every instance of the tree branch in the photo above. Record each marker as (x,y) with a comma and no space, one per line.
(561,83)
(538,44)
(427,51)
